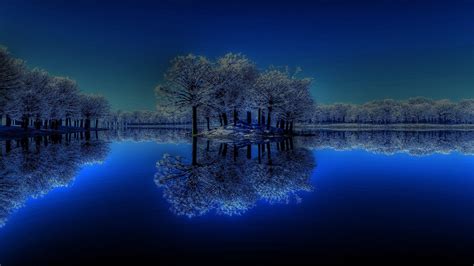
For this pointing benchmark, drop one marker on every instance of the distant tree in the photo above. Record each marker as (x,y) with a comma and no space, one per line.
(465,111)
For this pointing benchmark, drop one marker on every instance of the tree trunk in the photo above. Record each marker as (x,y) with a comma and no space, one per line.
(235,117)
(269,154)
(236,152)
(82,123)
(224,118)
(24,123)
(259,115)
(249,117)
(269,117)
(194,160)
(8,121)
(220,119)
(87,124)
(291,127)
(96,123)
(249,151)
(263,120)
(38,124)
(195,129)
(259,147)
(208,123)
(224,150)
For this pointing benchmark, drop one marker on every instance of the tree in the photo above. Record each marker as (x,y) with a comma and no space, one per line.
(11,71)
(32,100)
(297,103)
(93,107)
(271,88)
(187,84)
(65,104)
(236,75)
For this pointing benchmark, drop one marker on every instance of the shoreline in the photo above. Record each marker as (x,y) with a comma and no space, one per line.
(15,132)
(388,127)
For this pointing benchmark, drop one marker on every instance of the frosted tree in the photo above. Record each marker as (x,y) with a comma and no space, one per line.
(271,89)
(93,107)
(187,85)
(465,111)
(297,104)
(31,102)
(11,71)
(65,104)
(412,111)
(445,110)
(234,81)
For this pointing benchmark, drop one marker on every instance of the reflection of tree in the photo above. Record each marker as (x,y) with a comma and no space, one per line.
(31,167)
(230,179)
(390,142)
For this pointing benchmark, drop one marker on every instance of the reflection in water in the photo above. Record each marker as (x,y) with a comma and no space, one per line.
(225,177)
(390,142)
(231,178)
(386,142)
(31,167)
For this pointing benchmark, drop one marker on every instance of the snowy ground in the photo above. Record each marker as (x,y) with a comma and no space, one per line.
(242,133)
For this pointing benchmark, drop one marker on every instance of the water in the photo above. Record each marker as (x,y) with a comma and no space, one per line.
(335,197)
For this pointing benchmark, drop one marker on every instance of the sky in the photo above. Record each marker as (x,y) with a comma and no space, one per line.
(355,51)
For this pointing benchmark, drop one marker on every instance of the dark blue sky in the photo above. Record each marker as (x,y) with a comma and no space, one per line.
(356,51)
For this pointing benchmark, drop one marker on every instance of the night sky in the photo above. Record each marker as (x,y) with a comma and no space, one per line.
(356,51)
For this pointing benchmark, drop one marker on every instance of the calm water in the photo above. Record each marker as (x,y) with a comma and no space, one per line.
(336,197)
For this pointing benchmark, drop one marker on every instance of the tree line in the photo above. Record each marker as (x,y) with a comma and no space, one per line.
(417,110)
(231,87)
(34,98)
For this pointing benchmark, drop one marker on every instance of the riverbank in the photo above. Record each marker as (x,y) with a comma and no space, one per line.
(14,132)
(389,127)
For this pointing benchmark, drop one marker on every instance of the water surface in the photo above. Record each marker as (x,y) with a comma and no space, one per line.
(335,197)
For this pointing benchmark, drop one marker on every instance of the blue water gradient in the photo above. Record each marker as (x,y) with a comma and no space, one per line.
(363,203)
